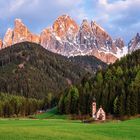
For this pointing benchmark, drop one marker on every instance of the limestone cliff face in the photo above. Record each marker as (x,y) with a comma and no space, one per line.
(8,38)
(105,57)
(1,44)
(104,40)
(35,38)
(22,34)
(67,38)
(119,43)
(49,41)
(98,42)
(45,37)
(61,36)
(65,27)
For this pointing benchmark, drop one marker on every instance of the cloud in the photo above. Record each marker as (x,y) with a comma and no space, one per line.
(119,17)
(38,8)
(38,14)
(16,5)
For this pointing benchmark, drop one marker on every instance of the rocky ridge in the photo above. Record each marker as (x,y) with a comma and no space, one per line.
(67,38)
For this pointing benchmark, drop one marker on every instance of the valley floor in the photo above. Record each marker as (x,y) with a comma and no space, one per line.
(60,129)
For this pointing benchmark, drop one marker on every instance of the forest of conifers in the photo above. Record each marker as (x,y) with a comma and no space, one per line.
(116,89)
(33,78)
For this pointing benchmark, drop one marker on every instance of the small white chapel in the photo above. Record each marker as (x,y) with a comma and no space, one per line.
(98,114)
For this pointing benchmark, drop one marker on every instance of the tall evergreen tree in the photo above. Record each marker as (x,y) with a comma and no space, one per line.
(118,106)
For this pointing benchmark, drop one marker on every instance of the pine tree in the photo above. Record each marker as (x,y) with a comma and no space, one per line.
(119,71)
(67,103)
(128,109)
(133,103)
(136,86)
(118,106)
(74,100)
(61,105)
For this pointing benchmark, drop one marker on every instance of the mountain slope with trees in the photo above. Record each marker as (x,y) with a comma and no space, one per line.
(90,63)
(29,70)
(117,89)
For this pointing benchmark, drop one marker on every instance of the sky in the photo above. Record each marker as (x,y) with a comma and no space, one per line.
(120,18)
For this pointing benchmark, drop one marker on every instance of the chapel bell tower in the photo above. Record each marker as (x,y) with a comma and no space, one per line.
(94,108)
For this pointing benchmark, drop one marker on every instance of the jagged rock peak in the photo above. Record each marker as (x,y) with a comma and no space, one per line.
(22,33)
(65,25)
(18,20)
(138,36)
(85,21)
(46,36)
(119,43)
(95,25)
(134,44)
(67,38)
(85,24)
(8,38)
(64,18)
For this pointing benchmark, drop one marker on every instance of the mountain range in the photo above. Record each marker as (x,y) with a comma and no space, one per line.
(69,39)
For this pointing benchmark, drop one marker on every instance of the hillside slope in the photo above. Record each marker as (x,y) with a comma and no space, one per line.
(89,63)
(30,70)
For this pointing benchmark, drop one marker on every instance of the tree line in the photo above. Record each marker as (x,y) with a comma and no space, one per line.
(15,106)
(20,106)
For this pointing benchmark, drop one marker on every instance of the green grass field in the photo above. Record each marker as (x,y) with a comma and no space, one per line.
(50,114)
(60,129)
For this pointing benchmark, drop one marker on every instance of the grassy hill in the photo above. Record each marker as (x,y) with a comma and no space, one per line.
(68,130)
